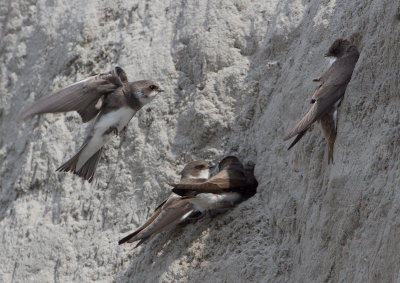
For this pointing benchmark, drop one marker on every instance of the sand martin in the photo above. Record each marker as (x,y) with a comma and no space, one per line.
(110,99)
(329,94)
(172,210)
(229,187)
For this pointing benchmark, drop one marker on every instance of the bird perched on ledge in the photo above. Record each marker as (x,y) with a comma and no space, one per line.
(329,94)
(197,193)
(110,99)
(229,187)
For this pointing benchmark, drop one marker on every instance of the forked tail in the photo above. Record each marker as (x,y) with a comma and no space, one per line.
(87,170)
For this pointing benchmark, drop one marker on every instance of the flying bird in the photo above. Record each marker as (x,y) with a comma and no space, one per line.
(173,209)
(107,98)
(329,95)
(229,187)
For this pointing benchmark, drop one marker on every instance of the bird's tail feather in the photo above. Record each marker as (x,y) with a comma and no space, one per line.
(87,170)
(330,152)
(329,128)
(128,239)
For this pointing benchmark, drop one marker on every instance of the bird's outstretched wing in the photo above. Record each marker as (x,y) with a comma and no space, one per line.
(82,96)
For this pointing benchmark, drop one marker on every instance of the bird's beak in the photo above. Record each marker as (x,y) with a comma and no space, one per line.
(211,167)
(327,55)
(161,90)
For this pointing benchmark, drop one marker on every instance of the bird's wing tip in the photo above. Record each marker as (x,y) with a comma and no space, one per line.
(23,116)
(126,239)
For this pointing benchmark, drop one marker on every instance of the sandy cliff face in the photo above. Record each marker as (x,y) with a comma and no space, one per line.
(237,78)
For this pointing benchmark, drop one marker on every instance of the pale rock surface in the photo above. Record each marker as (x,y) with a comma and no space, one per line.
(238,75)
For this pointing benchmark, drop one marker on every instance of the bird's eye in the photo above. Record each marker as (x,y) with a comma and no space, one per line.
(199,167)
(152,87)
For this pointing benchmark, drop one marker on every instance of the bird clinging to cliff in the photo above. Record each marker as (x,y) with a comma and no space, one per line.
(110,99)
(329,94)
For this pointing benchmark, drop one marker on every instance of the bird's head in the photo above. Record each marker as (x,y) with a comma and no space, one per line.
(145,91)
(196,170)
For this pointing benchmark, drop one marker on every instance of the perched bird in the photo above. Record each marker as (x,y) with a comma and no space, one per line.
(173,209)
(229,187)
(329,94)
(110,99)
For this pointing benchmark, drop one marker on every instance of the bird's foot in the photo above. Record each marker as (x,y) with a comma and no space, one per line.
(113,130)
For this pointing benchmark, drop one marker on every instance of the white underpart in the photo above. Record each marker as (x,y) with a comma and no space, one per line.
(99,103)
(183,217)
(146,99)
(332,60)
(118,119)
(336,106)
(335,119)
(210,201)
(205,174)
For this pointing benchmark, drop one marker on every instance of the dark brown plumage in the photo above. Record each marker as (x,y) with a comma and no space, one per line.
(169,212)
(326,99)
